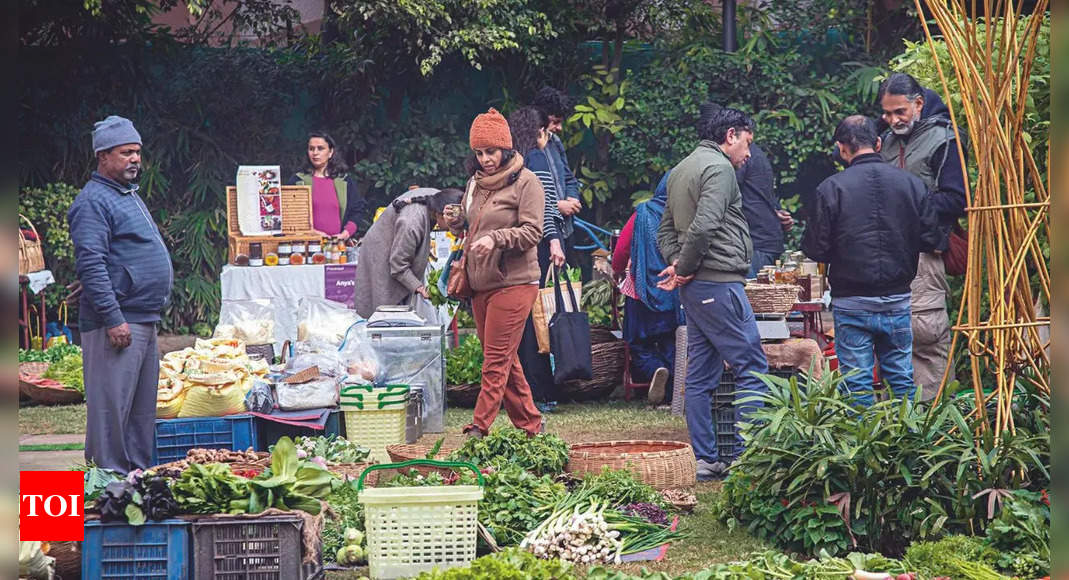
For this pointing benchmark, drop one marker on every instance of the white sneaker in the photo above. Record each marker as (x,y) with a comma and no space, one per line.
(657,384)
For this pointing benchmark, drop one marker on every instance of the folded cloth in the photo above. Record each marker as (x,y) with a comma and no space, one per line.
(40,280)
(310,418)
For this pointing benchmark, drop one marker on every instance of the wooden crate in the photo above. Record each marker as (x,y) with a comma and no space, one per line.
(296,201)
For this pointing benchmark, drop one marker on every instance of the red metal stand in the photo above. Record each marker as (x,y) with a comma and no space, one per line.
(24,315)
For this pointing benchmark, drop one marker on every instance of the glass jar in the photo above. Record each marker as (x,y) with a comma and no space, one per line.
(296,259)
(256,254)
(271,259)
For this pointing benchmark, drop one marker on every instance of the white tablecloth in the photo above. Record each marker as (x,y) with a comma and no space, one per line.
(284,286)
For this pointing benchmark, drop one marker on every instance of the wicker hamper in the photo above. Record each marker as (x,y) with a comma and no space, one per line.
(607,360)
(296,208)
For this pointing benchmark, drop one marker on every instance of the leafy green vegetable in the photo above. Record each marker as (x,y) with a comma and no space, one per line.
(416,479)
(954,556)
(49,355)
(68,371)
(290,483)
(348,514)
(332,449)
(209,489)
(619,487)
(464,364)
(1021,534)
(509,564)
(510,499)
(542,454)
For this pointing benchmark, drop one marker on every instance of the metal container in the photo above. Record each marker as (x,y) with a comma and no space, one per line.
(414,356)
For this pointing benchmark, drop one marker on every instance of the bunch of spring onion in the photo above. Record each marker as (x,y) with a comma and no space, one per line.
(591,532)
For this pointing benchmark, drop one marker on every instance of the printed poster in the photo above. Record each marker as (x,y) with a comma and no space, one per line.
(340,283)
(259,192)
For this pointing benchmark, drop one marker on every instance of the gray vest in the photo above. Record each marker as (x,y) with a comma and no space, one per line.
(914,152)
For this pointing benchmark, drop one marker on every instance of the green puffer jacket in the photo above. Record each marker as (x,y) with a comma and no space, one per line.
(703,226)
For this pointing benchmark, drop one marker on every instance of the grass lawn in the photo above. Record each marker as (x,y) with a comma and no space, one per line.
(708,542)
(44,420)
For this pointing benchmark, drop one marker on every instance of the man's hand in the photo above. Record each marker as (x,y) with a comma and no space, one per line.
(670,280)
(556,254)
(422,291)
(785,219)
(482,247)
(570,206)
(343,235)
(119,336)
(75,292)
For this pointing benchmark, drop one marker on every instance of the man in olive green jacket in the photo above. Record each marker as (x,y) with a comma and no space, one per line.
(705,239)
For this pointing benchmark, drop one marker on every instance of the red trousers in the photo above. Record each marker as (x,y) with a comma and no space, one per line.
(499,319)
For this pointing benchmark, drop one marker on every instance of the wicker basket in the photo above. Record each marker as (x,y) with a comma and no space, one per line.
(600,334)
(44,391)
(351,471)
(406,452)
(296,221)
(607,360)
(772,298)
(31,253)
(661,464)
(463,395)
(417,529)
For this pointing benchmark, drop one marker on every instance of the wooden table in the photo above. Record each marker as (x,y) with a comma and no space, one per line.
(812,322)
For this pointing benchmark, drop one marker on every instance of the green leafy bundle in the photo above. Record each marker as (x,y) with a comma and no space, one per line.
(511,498)
(332,449)
(416,479)
(508,564)
(68,371)
(50,355)
(954,557)
(1021,534)
(290,484)
(618,487)
(773,565)
(542,454)
(464,364)
(209,489)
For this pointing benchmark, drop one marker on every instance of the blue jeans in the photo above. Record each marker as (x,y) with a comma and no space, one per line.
(720,326)
(760,260)
(859,335)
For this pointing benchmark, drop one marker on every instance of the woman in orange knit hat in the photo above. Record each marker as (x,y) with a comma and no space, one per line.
(501,215)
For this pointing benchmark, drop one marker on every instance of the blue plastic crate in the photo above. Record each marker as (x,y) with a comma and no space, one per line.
(153,551)
(174,437)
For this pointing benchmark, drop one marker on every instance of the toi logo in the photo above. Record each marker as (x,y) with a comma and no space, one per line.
(51,506)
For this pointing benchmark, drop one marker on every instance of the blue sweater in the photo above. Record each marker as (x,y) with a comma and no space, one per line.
(566,184)
(121,260)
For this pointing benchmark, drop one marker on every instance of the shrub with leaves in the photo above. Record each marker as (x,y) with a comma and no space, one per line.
(894,472)
(1021,534)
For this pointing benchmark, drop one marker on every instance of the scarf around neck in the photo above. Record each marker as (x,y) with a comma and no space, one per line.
(500,179)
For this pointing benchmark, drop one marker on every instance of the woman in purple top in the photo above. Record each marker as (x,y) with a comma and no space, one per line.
(337,205)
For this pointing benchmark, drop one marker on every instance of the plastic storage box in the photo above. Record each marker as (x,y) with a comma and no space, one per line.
(375,417)
(263,548)
(724,410)
(174,437)
(155,550)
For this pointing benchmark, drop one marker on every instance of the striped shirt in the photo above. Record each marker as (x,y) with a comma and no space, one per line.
(537,161)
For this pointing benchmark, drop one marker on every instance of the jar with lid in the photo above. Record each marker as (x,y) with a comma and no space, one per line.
(256,254)
(315,247)
(271,259)
(284,251)
(343,257)
(788,274)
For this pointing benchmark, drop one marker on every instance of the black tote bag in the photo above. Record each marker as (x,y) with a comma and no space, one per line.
(569,338)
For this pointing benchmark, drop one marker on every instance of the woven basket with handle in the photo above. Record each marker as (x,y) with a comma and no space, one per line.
(772,298)
(661,464)
(31,253)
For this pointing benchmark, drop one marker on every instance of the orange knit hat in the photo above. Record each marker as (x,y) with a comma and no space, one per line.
(490,129)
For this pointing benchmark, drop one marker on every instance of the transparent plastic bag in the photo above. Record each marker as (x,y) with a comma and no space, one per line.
(250,321)
(362,363)
(259,399)
(316,353)
(315,394)
(322,320)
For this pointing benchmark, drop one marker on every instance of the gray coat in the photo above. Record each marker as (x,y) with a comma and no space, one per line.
(394,255)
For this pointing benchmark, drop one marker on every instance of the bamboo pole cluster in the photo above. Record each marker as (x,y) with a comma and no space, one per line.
(1008,205)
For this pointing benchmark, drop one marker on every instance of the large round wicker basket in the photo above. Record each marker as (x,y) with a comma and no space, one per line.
(661,464)
(352,471)
(408,452)
(44,391)
(463,395)
(772,298)
(607,362)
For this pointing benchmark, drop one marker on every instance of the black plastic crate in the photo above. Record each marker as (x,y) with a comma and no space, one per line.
(269,432)
(723,409)
(264,548)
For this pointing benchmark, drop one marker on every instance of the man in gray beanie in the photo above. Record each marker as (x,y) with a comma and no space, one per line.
(126,277)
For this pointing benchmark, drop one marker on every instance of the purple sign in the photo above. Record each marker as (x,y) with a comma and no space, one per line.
(340,283)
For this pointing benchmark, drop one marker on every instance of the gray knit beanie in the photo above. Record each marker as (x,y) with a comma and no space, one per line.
(114,130)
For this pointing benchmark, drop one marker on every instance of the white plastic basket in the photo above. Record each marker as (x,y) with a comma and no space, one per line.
(416,529)
(375,417)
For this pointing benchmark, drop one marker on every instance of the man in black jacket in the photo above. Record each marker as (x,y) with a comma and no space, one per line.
(870,223)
